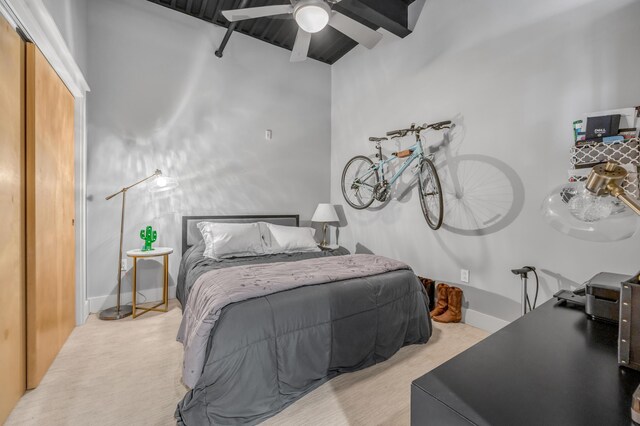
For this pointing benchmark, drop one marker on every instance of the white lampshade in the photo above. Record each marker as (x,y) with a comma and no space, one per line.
(162,183)
(325,213)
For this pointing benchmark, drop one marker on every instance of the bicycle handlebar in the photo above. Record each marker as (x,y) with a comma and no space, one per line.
(435,126)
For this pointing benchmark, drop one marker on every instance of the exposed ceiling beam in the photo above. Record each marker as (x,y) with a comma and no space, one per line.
(393,16)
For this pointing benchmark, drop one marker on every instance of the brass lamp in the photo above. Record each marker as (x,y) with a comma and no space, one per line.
(161,183)
(605,179)
(594,210)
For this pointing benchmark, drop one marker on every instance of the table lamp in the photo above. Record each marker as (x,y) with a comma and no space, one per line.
(324,214)
(160,183)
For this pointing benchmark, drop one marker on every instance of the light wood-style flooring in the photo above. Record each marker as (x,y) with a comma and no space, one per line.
(128,372)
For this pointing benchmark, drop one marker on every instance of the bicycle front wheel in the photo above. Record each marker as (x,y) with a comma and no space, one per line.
(431,195)
(359,180)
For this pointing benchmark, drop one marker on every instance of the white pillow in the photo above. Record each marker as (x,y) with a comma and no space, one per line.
(225,240)
(289,239)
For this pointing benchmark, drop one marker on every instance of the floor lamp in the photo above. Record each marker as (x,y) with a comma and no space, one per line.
(162,183)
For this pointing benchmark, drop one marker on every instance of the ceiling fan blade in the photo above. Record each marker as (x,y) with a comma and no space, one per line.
(301,46)
(355,30)
(256,12)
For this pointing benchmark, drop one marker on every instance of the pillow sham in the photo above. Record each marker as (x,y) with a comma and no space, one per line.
(226,240)
(289,239)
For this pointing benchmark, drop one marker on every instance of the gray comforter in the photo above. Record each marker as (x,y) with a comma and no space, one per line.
(217,289)
(266,352)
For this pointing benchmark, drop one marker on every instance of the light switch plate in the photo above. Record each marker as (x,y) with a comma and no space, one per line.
(464,275)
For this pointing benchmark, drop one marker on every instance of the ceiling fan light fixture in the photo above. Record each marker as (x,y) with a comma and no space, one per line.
(312,16)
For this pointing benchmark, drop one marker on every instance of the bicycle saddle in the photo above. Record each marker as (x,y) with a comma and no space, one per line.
(372,139)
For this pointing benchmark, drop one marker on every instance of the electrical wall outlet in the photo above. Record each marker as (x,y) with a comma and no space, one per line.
(464,275)
(123,264)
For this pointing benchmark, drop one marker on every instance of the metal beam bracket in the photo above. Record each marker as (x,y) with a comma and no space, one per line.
(230,29)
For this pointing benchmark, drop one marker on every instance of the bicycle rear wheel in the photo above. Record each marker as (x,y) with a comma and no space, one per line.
(359,180)
(430,195)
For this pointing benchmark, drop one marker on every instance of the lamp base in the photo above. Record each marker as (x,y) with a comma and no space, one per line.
(115,313)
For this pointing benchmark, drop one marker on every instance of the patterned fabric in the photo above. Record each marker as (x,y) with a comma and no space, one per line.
(216,289)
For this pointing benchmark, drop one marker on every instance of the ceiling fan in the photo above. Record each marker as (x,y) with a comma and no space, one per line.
(311,17)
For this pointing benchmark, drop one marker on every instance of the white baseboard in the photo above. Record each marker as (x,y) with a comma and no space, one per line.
(482,321)
(97,304)
(85,311)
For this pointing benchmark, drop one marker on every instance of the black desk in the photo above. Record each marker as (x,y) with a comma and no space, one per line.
(551,367)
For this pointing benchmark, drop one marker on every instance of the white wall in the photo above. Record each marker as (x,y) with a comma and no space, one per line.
(513,75)
(161,99)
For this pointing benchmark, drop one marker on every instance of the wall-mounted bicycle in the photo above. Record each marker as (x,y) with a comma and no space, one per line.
(364,181)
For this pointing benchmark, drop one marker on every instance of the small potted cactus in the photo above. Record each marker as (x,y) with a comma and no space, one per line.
(149,236)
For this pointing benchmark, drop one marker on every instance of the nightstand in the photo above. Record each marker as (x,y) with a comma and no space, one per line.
(139,254)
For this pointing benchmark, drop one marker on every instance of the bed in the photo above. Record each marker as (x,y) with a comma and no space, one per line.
(266,352)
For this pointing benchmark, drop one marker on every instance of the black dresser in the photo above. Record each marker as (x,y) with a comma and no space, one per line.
(551,367)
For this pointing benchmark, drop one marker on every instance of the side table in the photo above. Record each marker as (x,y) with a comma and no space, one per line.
(139,254)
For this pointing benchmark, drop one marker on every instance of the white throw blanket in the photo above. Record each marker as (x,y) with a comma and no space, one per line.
(216,289)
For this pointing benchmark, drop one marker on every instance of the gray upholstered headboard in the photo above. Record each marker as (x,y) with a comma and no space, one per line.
(191,235)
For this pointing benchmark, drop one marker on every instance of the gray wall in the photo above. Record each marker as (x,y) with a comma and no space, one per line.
(71,18)
(513,75)
(161,99)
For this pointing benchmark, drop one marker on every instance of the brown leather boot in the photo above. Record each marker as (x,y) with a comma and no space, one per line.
(441,304)
(454,312)
(430,287)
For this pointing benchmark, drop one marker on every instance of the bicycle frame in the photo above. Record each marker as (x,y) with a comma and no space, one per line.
(417,152)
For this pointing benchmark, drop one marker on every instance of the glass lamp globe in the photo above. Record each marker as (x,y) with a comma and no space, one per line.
(312,17)
(574,211)
(163,183)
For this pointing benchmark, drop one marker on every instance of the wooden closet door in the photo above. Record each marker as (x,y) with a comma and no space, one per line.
(50,215)
(12,221)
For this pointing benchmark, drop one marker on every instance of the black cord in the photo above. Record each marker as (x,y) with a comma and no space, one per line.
(535,298)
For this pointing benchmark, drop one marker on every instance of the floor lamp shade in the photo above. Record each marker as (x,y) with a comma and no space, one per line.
(598,209)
